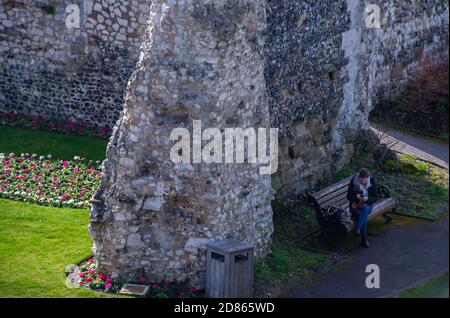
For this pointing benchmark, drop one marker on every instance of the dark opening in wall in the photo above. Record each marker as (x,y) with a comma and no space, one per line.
(299,87)
(291,152)
(331,76)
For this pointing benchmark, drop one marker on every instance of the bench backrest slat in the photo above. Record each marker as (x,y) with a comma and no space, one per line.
(333,195)
(333,188)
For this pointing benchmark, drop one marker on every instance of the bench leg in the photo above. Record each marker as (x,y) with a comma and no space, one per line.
(387,218)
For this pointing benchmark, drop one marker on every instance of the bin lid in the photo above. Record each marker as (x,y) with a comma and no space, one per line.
(230,246)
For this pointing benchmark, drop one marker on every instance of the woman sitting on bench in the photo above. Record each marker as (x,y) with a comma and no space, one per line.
(362,194)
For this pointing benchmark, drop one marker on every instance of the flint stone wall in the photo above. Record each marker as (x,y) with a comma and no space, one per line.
(78,74)
(311,68)
(326,70)
(201,60)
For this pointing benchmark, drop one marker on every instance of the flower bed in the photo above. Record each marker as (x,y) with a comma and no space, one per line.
(66,126)
(49,182)
(89,278)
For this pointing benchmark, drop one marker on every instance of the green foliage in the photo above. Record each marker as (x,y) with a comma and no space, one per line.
(438,190)
(400,167)
(49,9)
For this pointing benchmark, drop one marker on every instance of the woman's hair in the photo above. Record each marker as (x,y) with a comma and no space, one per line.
(364,173)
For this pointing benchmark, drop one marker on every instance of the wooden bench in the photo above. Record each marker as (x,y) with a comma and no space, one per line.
(336,196)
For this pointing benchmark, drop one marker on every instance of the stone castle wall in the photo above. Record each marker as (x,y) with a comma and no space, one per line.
(311,68)
(154,216)
(326,70)
(79,74)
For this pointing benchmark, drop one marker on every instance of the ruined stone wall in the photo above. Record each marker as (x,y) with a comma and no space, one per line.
(326,69)
(311,68)
(201,60)
(412,32)
(79,74)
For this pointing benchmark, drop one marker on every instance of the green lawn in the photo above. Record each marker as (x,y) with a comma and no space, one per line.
(36,245)
(61,146)
(434,288)
(420,188)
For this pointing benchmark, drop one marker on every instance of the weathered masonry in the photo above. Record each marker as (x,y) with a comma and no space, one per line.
(313,69)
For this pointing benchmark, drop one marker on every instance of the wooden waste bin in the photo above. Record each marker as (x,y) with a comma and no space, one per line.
(229,269)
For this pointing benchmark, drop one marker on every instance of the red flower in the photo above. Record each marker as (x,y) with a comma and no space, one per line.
(102,277)
(167,282)
(88,280)
(192,289)
(109,280)
(91,271)
(182,294)
(82,274)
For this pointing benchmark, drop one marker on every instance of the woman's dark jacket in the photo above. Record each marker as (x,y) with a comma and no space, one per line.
(372,192)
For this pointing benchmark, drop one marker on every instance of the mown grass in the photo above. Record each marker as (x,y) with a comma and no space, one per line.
(434,288)
(36,245)
(289,265)
(18,140)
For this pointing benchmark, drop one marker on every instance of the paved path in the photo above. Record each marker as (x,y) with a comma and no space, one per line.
(424,148)
(406,254)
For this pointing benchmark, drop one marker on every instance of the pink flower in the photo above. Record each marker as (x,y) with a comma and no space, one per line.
(82,274)
(91,271)
(89,279)
(154,286)
(65,164)
(182,294)
(192,289)
(109,280)
(167,282)
(55,179)
(108,286)
(102,277)
(39,187)
(143,280)
(64,197)
(91,261)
